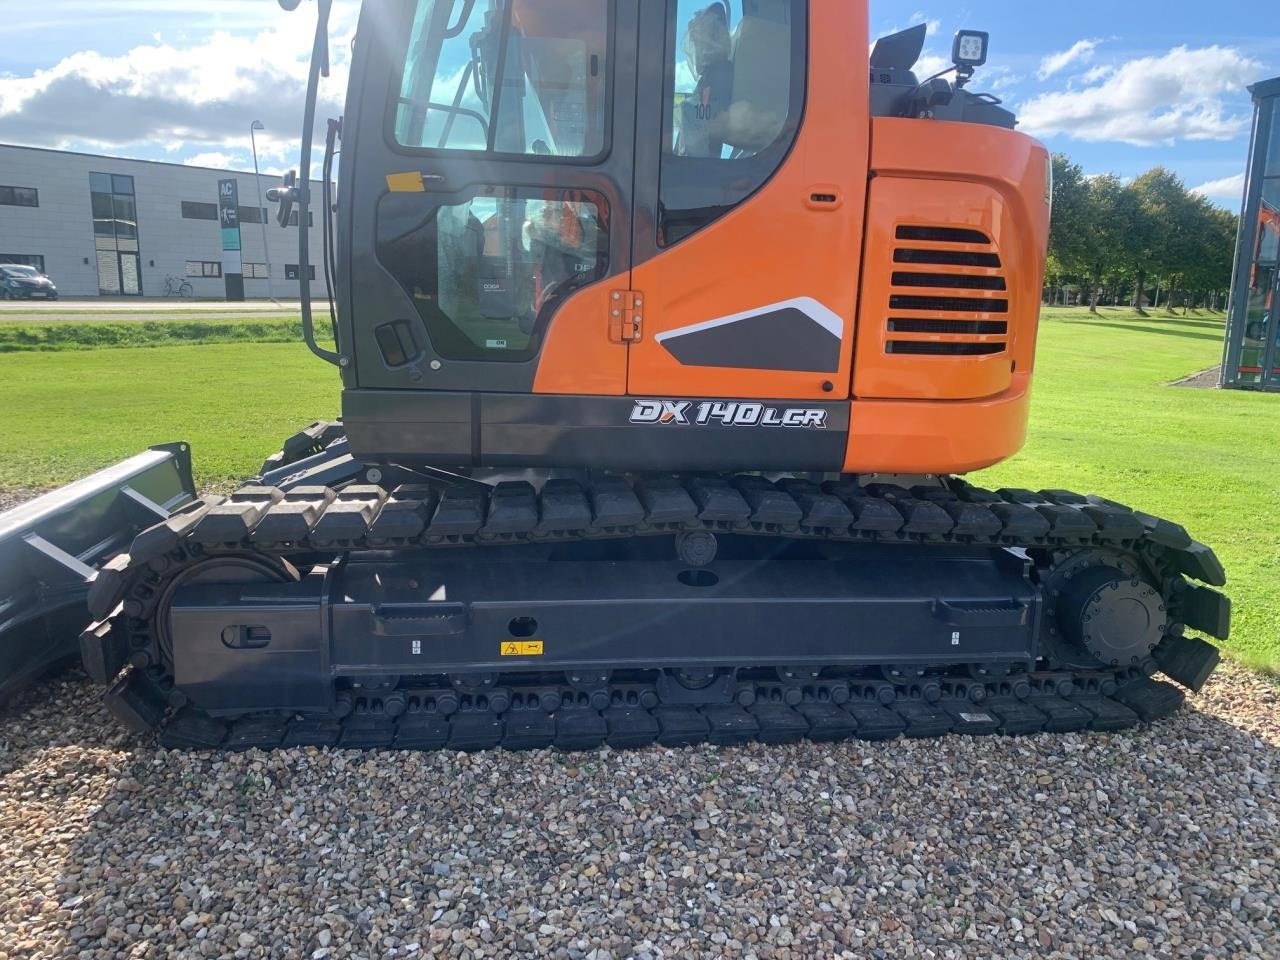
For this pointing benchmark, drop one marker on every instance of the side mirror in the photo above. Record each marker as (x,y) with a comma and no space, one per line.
(285,195)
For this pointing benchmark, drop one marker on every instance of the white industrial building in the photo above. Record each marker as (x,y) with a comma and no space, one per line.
(104,226)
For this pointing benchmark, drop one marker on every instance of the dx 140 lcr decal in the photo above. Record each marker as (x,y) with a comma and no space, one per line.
(728,413)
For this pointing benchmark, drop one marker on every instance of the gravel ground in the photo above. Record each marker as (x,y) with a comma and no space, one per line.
(12,497)
(1204,380)
(1156,843)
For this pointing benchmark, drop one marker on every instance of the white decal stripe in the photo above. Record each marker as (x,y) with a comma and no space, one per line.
(824,317)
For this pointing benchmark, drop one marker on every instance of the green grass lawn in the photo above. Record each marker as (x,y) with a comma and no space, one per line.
(1104,421)
(68,413)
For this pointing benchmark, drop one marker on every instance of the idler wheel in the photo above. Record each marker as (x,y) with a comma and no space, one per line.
(1117,619)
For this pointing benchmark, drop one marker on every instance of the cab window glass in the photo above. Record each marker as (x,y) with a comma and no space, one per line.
(735,95)
(486,272)
(506,76)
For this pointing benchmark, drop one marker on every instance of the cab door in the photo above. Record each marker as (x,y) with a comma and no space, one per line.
(751,172)
(489,187)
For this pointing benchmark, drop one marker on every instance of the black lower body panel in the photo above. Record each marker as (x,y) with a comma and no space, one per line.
(419,427)
(283,646)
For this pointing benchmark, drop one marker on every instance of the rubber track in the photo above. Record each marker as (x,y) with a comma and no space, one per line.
(309,523)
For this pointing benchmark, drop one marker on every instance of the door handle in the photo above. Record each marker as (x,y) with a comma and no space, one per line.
(824,197)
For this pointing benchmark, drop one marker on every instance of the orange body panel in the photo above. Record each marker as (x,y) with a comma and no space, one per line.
(962,412)
(960,177)
(934,436)
(932,390)
(778,245)
(577,356)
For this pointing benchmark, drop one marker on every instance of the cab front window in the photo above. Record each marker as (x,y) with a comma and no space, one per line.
(521,77)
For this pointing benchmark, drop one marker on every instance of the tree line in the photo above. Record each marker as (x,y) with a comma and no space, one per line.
(1148,242)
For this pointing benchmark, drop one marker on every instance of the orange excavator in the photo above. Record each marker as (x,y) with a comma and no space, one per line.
(665,333)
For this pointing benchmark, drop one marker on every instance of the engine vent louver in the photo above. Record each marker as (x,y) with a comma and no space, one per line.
(943,235)
(949,304)
(973,327)
(965,321)
(948,281)
(919,348)
(947,258)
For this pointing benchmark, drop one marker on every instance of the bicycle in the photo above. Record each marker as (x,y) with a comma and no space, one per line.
(178,287)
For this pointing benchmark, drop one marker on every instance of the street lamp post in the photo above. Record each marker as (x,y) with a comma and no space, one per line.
(262,218)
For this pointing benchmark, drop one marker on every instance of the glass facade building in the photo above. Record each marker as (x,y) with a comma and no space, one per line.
(115,227)
(115,234)
(1252,356)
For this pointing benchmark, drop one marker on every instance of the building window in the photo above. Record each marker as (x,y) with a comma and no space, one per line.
(23,260)
(252,214)
(204,268)
(256,271)
(291,271)
(19,197)
(199,211)
(115,234)
(311,218)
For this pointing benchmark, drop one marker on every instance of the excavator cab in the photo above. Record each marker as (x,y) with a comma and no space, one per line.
(564,213)
(521,163)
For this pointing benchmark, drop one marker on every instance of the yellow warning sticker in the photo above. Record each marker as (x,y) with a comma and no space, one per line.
(410,182)
(522,648)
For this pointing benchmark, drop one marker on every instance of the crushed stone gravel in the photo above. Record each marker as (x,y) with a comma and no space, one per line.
(13,496)
(1159,842)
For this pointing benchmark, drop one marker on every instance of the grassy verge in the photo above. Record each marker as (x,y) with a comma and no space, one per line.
(1104,420)
(93,335)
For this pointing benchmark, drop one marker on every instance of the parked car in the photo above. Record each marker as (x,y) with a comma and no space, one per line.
(18,281)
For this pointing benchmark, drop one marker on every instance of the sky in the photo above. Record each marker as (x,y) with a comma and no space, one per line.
(1119,86)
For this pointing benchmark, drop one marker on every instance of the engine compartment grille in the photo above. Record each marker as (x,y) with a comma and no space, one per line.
(949,294)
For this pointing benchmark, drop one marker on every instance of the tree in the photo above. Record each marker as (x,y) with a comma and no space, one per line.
(1149,210)
(1070,234)
(1107,226)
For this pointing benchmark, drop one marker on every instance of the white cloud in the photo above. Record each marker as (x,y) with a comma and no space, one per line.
(1096,74)
(215,159)
(930,64)
(931,26)
(198,96)
(1001,81)
(1080,52)
(1152,100)
(1228,188)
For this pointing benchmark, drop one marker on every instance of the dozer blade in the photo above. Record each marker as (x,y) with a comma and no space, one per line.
(51,550)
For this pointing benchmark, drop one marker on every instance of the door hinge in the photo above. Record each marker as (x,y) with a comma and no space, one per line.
(626,316)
